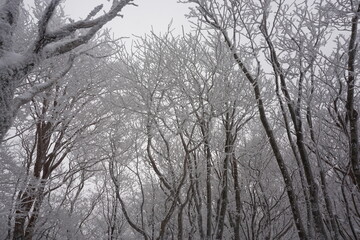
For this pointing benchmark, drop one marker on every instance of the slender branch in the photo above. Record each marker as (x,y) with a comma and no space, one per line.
(33,91)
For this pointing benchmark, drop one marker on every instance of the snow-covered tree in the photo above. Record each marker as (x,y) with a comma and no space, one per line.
(244,128)
(50,41)
(282,48)
(50,137)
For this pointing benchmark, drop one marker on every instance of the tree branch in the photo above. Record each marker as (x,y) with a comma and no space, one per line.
(33,91)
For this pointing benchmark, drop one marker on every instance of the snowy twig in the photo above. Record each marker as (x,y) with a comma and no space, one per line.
(38,88)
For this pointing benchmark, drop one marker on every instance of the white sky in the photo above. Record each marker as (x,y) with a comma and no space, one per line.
(150,14)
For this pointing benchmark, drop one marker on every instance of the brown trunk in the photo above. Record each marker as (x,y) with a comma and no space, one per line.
(30,199)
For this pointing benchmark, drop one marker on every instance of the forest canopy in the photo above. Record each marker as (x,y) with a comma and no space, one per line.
(245,127)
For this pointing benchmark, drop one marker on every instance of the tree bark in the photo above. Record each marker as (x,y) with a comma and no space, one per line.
(352,114)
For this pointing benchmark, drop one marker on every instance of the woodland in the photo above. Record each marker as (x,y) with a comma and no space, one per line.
(245,127)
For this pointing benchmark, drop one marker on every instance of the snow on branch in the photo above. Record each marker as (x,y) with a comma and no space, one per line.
(93,26)
(38,88)
(43,23)
(95,11)
(46,45)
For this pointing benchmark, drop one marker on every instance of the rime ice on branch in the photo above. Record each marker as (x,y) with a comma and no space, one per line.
(15,66)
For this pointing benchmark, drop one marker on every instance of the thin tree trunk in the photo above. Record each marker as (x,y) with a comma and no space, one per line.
(352,114)
(223,201)
(205,133)
(320,231)
(238,203)
(196,195)
(273,143)
(334,227)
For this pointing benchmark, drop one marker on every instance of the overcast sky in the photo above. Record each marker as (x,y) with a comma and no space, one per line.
(155,14)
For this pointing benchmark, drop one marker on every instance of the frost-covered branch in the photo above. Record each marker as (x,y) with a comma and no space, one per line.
(43,23)
(16,65)
(38,88)
(93,25)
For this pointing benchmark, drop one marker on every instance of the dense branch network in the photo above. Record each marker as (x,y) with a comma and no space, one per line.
(14,66)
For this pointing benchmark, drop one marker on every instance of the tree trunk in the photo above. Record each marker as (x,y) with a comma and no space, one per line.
(205,133)
(352,114)
(238,203)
